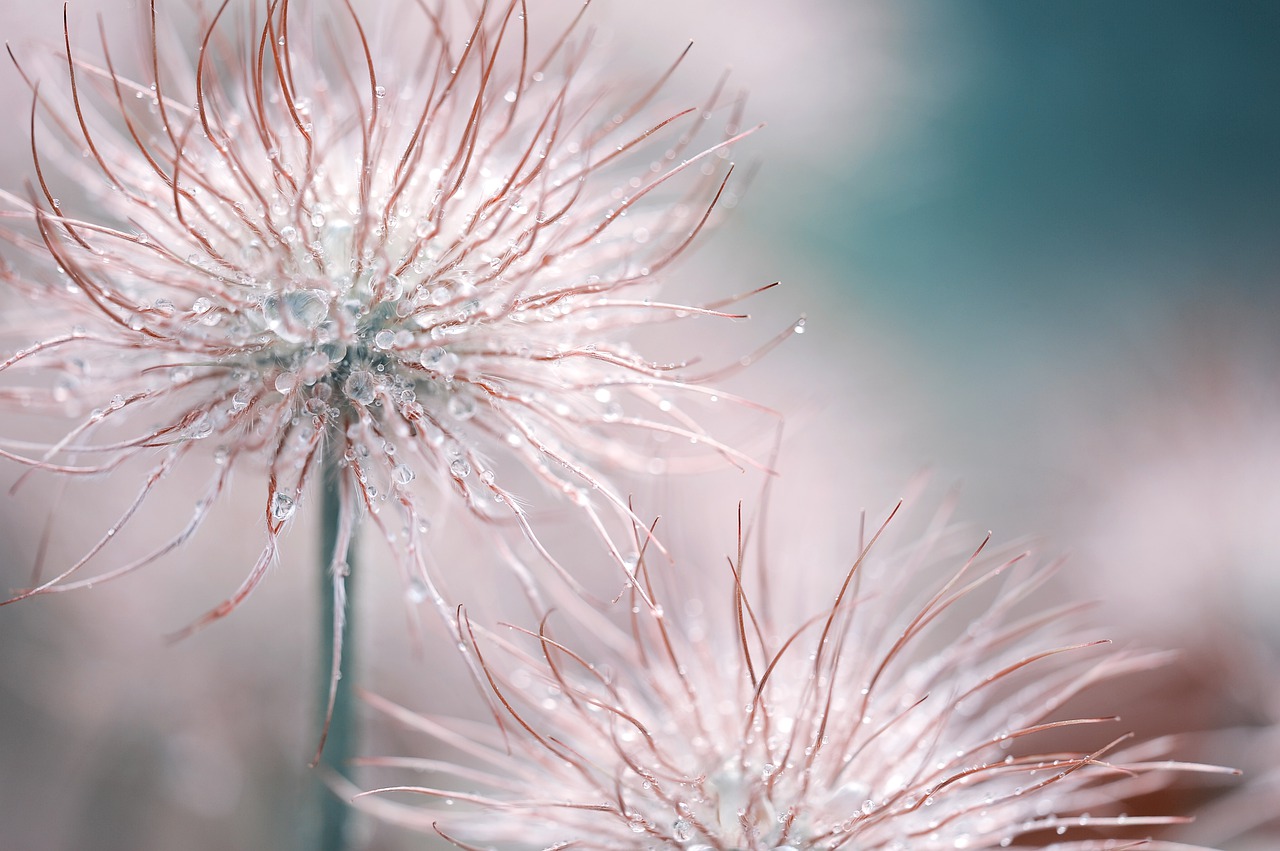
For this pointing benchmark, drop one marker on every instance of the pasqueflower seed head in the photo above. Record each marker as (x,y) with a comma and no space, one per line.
(420,255)
(920,709)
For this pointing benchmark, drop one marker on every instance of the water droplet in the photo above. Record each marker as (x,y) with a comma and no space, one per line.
(200,427)
(403,474)
(417,590)
(460,468)
(393,288)
(682,830)
(380,91)
(385,339)
(799,326)
(286,381)
(440,360)
(293,316)
(360,386)
(282,507)
(461,407)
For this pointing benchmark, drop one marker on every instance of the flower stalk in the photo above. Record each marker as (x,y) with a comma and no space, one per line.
(338,738)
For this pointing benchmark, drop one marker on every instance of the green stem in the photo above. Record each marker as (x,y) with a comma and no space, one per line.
(334,816)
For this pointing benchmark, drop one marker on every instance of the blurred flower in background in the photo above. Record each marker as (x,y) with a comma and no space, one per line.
(920,708)
(1182,542)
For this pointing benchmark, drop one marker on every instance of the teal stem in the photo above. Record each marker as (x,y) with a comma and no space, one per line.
(334,813)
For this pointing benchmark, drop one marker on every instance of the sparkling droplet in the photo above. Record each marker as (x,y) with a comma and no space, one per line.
(360,386)
(403,474)
(460,468)
(385,339)
(293,316)
(393,287)
(682,830)
(282,507)
(380,91)
(440,360)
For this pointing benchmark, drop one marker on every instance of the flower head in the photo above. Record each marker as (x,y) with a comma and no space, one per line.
(921,709)
(419,256)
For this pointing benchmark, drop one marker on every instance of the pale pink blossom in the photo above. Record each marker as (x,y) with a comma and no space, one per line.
(925,705)
(421,251)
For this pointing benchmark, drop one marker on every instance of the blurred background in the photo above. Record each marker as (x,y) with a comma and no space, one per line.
(1036,243)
